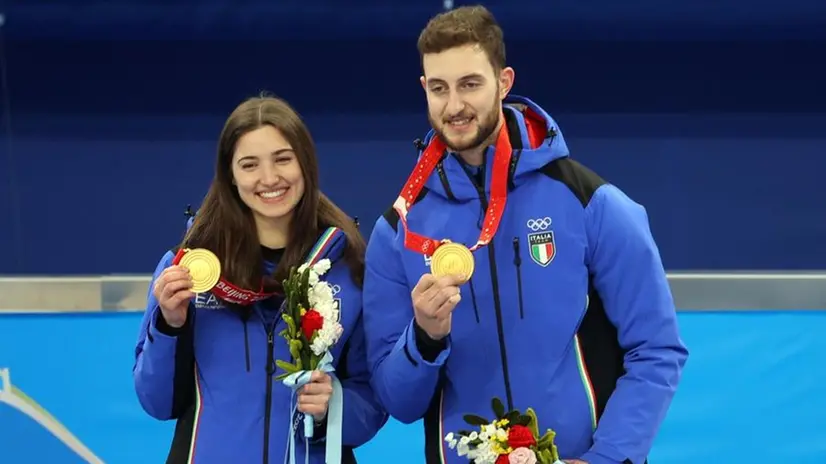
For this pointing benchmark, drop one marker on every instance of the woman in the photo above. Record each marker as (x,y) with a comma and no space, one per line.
(208,362)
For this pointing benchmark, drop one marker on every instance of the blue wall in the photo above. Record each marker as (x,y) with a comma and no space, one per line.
(722,191)
(195,19)
(709,114)
(751,392)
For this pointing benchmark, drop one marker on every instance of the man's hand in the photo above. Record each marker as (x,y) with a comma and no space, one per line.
(573,461)
(314,397)
(434,300)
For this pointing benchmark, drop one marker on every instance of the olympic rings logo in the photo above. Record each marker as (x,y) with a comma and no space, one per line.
(335,288)
(539,224)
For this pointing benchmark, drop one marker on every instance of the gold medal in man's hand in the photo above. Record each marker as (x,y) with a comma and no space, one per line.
(452,259)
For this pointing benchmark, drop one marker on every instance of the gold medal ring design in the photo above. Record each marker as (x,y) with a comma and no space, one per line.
(452,259)
(204,267)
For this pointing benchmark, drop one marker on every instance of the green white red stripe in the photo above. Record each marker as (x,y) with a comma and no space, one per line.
(542,252)
(323,245)
(197,419)
(586,381)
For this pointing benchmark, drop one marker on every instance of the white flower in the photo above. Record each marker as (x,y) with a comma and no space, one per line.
(462,449)
(451,440)
(321,267)
(326,337)
(483,453)
(320,293)
(490,430)
(312,279)
(327,309)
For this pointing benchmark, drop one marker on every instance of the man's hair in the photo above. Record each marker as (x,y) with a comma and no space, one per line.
(467,25)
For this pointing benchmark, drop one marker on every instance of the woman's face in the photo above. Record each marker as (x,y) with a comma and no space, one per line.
(267,174)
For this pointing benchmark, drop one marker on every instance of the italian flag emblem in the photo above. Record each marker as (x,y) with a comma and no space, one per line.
(543,247)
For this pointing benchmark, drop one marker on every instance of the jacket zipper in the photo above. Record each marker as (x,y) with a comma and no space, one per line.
(497,304)
(268,399)
(246,346)
(517,261)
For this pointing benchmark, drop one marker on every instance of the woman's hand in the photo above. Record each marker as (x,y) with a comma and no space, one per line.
(314,397)
(173,292)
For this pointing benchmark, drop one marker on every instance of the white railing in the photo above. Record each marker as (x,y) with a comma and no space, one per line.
(692,291)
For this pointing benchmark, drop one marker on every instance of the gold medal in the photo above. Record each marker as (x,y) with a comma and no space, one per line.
(452,259)
(204,267)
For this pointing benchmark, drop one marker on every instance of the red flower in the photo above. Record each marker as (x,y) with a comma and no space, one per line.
(502,459)
(311,322)
(520,436)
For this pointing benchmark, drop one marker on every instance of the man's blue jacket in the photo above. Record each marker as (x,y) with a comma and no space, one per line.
(569,311)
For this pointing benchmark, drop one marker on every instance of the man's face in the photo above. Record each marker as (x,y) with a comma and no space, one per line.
(464,95)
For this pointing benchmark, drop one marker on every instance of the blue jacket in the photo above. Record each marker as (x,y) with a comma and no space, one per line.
(212,376)
(568,307)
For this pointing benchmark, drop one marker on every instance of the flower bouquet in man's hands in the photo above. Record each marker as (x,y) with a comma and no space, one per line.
(313,327)
(512,438)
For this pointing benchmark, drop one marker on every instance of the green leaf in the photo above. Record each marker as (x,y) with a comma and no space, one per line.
(290,324)
(473,419)
(512,416)
(281,377)
(306,355)
(295,349)
(545,457)
(522,420)
(498,408)
(287,367)
(547,440)
(534,423)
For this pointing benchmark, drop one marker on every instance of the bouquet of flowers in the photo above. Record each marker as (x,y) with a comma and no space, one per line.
(311,317)
(313,328)
(512,438)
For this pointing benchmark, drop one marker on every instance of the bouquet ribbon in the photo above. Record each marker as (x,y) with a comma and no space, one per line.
(335,412)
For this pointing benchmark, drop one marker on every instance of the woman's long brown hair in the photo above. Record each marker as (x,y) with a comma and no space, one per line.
(225,225)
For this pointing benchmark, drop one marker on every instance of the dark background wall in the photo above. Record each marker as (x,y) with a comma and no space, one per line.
(711,113)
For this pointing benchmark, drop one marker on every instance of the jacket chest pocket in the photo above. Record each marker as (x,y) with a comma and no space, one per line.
(551,283)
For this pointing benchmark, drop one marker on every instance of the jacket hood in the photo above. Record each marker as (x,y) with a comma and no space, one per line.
(536,141)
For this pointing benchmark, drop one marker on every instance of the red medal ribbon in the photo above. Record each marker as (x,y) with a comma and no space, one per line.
(228,292)
(427,163)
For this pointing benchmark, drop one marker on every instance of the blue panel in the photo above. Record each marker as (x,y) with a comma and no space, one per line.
(404,18)
(10,256)
(367,76)
(751,392)
(693,113)
(723,192)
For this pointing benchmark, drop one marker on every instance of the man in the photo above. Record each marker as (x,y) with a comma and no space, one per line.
(565,307)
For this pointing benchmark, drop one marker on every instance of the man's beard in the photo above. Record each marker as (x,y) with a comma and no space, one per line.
(485,131)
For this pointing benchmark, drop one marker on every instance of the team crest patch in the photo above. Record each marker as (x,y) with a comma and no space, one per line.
(541,241)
